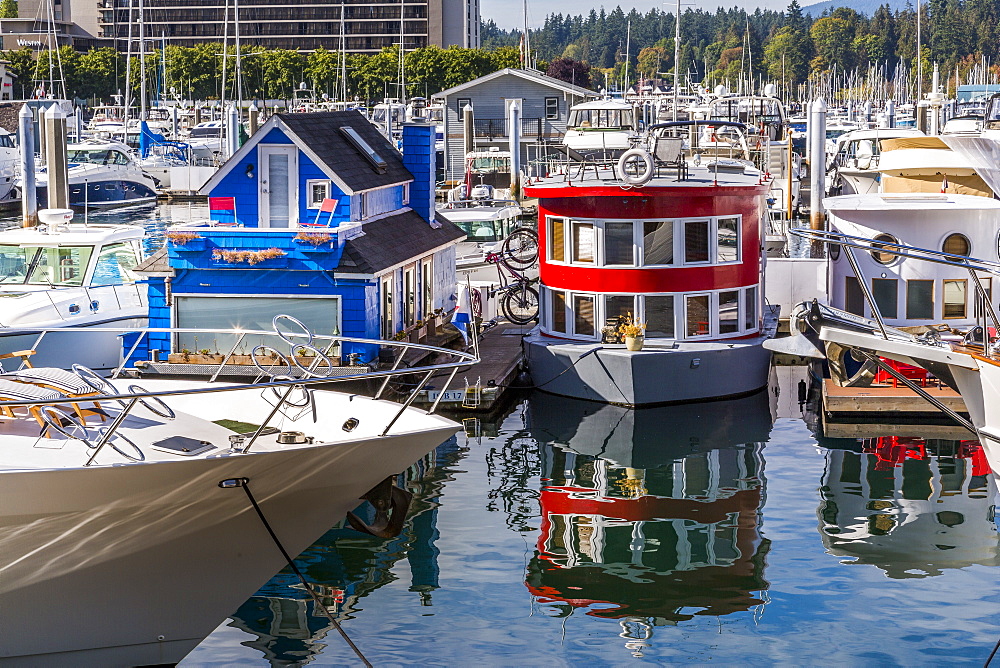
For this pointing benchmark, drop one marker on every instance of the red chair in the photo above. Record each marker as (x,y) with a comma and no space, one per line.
(328,206)
(914,373)
(223,205)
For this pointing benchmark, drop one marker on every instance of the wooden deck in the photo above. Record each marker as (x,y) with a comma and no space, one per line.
(883,400)
(480,388)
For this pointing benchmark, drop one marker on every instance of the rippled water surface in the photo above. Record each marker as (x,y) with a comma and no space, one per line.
(569,533)
(582,534)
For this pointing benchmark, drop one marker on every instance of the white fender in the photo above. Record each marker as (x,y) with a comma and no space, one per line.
(642,177)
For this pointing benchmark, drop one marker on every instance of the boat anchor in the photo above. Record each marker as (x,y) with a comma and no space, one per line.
(384,497)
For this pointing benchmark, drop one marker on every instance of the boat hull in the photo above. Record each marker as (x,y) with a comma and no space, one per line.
(131,565)
(103,194)
(687,371)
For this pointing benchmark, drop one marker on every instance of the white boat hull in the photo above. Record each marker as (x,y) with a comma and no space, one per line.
(135,564)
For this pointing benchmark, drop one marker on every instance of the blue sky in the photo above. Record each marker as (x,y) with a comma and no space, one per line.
(508,13)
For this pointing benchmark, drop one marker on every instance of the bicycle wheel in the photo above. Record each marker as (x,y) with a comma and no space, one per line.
(520,248)
(477,303)
(520,305)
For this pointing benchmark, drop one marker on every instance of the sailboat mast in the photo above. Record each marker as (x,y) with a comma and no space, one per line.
(677,54)
(343,59)
(142,62)
(402,53)
(225,52)
(628,47)
(239,62)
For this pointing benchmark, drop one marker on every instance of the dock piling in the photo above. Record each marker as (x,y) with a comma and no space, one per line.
(26,155)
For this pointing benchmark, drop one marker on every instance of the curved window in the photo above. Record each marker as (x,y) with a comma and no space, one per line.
(956,244)
(884,258)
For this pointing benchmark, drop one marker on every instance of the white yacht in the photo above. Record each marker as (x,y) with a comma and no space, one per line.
(134,523)
(854,169)
(601,126)
(102,174)
(55,276)
(8,167)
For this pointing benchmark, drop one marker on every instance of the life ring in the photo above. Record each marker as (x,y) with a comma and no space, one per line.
(642,177)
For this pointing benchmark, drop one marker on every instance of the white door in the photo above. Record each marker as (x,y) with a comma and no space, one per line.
(277,195)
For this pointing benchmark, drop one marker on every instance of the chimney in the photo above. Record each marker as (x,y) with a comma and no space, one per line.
(419,159)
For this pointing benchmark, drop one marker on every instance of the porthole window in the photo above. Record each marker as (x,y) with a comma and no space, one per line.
(884,258)
(956,244)
(834,252)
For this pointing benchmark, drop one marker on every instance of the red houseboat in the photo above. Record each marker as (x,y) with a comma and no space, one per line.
(671,236)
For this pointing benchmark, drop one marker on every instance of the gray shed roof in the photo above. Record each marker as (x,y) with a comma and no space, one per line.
(394,240)
(531,75)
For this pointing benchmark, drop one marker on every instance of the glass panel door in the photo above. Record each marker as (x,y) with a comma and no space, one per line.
(277,186)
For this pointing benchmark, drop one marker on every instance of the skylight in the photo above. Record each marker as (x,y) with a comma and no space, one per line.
(367,151)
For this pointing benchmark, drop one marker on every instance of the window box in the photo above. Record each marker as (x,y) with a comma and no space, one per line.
(199,245)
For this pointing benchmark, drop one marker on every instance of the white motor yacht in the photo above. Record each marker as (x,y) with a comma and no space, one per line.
(855,165)
(55,276)
(135,522)
(102,174)
(600,126)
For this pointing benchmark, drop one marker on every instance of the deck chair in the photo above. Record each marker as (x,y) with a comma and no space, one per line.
(223,205)
(328,206)
(668,152)
(65,383)
(13,391)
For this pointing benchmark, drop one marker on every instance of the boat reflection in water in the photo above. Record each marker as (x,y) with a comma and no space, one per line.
(911,507)
(650,516)
(344,566)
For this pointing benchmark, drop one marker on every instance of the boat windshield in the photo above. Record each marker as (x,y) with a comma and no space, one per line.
(34,265)
(482,230)
(490,164)
(97,156)
(607,119)
(6,141)
(206,132)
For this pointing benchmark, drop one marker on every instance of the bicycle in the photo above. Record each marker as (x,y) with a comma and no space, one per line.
(520,248)
(518,300)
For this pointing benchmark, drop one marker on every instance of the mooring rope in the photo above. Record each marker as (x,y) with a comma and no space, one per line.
(245,484)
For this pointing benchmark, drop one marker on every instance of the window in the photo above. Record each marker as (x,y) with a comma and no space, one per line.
(388,322)
(618,244)
(729,312)
(320,315)
(114,265)
(557,239)
(956,244)
(920,300)
(954,298)
(60,266)
(460,105)
(583,307)
(583,242)
(409,295)
(658,242)
(696,241)
(616,306)
(750,308)
(884,258)
(978,309)
(552,108)
(660,316)
(406,193)
(317,190)
(558,311)
(854,298)
(698,323)
(728,236)
(427,287)
(885,292)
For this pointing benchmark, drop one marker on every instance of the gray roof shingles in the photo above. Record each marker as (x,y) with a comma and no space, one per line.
(320,131)
(393,240)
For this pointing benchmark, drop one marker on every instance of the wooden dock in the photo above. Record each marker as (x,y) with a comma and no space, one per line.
(481,387)
(881,400)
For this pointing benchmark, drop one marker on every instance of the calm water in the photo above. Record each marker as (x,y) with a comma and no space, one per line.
(571,533)
(582,534)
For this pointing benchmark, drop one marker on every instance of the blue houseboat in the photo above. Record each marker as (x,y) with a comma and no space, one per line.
(319,217)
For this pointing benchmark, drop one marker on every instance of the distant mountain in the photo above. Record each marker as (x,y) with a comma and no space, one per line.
(866,7)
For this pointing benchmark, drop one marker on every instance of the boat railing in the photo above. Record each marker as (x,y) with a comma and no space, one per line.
(318,371)
(878,247)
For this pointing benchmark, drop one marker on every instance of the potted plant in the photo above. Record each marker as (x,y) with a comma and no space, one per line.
(421,327)
(634,337)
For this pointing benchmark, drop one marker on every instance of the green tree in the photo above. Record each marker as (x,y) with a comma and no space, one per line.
(832,37)
(8,9)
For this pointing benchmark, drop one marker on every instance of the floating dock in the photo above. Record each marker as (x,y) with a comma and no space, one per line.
(883,399)
(480,388)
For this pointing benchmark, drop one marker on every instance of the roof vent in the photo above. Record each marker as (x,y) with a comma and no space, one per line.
(367,151)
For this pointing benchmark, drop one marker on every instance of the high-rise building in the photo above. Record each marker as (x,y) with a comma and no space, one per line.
(302,25)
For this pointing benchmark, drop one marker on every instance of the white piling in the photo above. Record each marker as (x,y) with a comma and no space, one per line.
(232,130)
(56,166)
(817,167)
(78,124)
(515,149)
(174,125)
(254,113)
(468,130)
(890,113)
(26,155)
(41,135)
